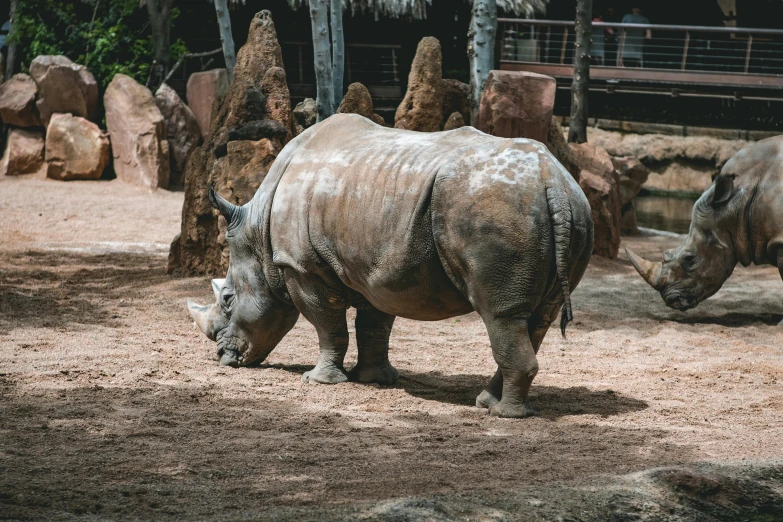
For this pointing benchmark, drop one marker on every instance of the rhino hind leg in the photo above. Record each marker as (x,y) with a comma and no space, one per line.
(517,363)
(373,329)
(492,394)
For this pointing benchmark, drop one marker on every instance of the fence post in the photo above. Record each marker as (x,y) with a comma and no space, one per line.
(747,53)
(565,44)
(685,50)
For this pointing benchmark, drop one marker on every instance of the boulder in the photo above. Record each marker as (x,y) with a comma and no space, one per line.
(422,107)
(64,86)
(182,131)
(517,104)
(75,148)
(558,146)
(306,113)
(456,98)
(455,121)
(601,184)
(628,224)
(256,105)
(24,153)
(17,102)
(633,174)
(138,134)
(357,100)
(202,90)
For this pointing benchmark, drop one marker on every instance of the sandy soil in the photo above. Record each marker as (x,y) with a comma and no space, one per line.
(112,406)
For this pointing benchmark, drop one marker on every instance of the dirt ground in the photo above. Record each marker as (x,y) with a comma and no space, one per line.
(112,406)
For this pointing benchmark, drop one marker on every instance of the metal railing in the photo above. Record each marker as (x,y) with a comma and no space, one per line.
(730,51)
(375,65)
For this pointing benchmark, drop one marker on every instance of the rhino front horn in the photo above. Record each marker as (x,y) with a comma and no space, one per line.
(202,315)
(650,272)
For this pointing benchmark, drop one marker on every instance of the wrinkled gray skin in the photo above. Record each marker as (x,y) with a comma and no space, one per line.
(397,223)
(739,219)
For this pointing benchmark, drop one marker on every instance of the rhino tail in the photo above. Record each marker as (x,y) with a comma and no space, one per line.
(559,206)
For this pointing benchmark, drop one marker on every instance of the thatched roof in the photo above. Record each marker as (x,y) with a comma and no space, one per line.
(417,9)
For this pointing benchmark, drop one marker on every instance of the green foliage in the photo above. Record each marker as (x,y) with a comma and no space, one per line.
(113,38)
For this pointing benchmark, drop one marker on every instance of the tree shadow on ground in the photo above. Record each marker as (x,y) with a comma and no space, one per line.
(57,288)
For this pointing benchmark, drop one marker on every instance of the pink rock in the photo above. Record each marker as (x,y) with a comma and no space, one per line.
(517,104)
(138,134)
(64,86)
(75,148)
(24,153)
(202,91)
(17,102)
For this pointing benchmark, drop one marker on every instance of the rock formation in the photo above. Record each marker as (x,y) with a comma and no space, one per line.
(138,134)
(455,99)
(75,148)
(422,107)
(455,121)
(558,146)
(517,104)
(202,90)
(633,174)
(17,102)
(182,131)
(601,184)
(258,92)
(64,86)
(357,100)
(306,113)
(24,153)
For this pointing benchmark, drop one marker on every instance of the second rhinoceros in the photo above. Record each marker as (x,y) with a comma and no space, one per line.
(738,219)
(425,226)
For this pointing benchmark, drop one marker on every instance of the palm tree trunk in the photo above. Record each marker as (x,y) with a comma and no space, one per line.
(226,38)
(319,19)
(577,129)
(338,50)
(10,60)
(160,21)
(481,50)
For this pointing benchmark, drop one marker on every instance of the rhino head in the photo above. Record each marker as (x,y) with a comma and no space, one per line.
(248,320)
(697,269)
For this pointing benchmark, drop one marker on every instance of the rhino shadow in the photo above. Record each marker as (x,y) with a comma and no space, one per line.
(731,319)
(550,402)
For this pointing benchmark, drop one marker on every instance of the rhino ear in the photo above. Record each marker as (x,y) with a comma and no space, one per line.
(217,284)
(723,189)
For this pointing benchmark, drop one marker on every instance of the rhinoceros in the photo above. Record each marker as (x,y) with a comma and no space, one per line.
(425,226)
(738,219)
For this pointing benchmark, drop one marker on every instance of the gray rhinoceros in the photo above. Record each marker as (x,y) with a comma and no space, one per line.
(425,226)
(738,219)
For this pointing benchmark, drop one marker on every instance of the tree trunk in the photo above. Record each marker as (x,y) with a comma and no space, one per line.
(338,50)
(10,61)
(481,50)
(226,38)
(577,129)
(319,18)
(160,22)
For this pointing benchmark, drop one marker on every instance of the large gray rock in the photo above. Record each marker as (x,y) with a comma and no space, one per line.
(17,102)
(202,91)
(306,113)
(24,153)
(64,86)
(182,130)
(75,148)
(138,134)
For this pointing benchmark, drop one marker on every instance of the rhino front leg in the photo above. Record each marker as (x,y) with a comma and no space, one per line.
(333,343)
(517,363)
(373,329)
(492,393)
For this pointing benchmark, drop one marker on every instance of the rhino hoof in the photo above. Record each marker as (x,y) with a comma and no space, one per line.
(511,411)
(486,400)
(324,376)
(386,374)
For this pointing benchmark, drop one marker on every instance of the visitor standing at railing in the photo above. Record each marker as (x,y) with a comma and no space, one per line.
(632,40)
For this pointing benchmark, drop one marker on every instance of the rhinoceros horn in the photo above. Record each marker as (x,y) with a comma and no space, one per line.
(202,315)
(650,272)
